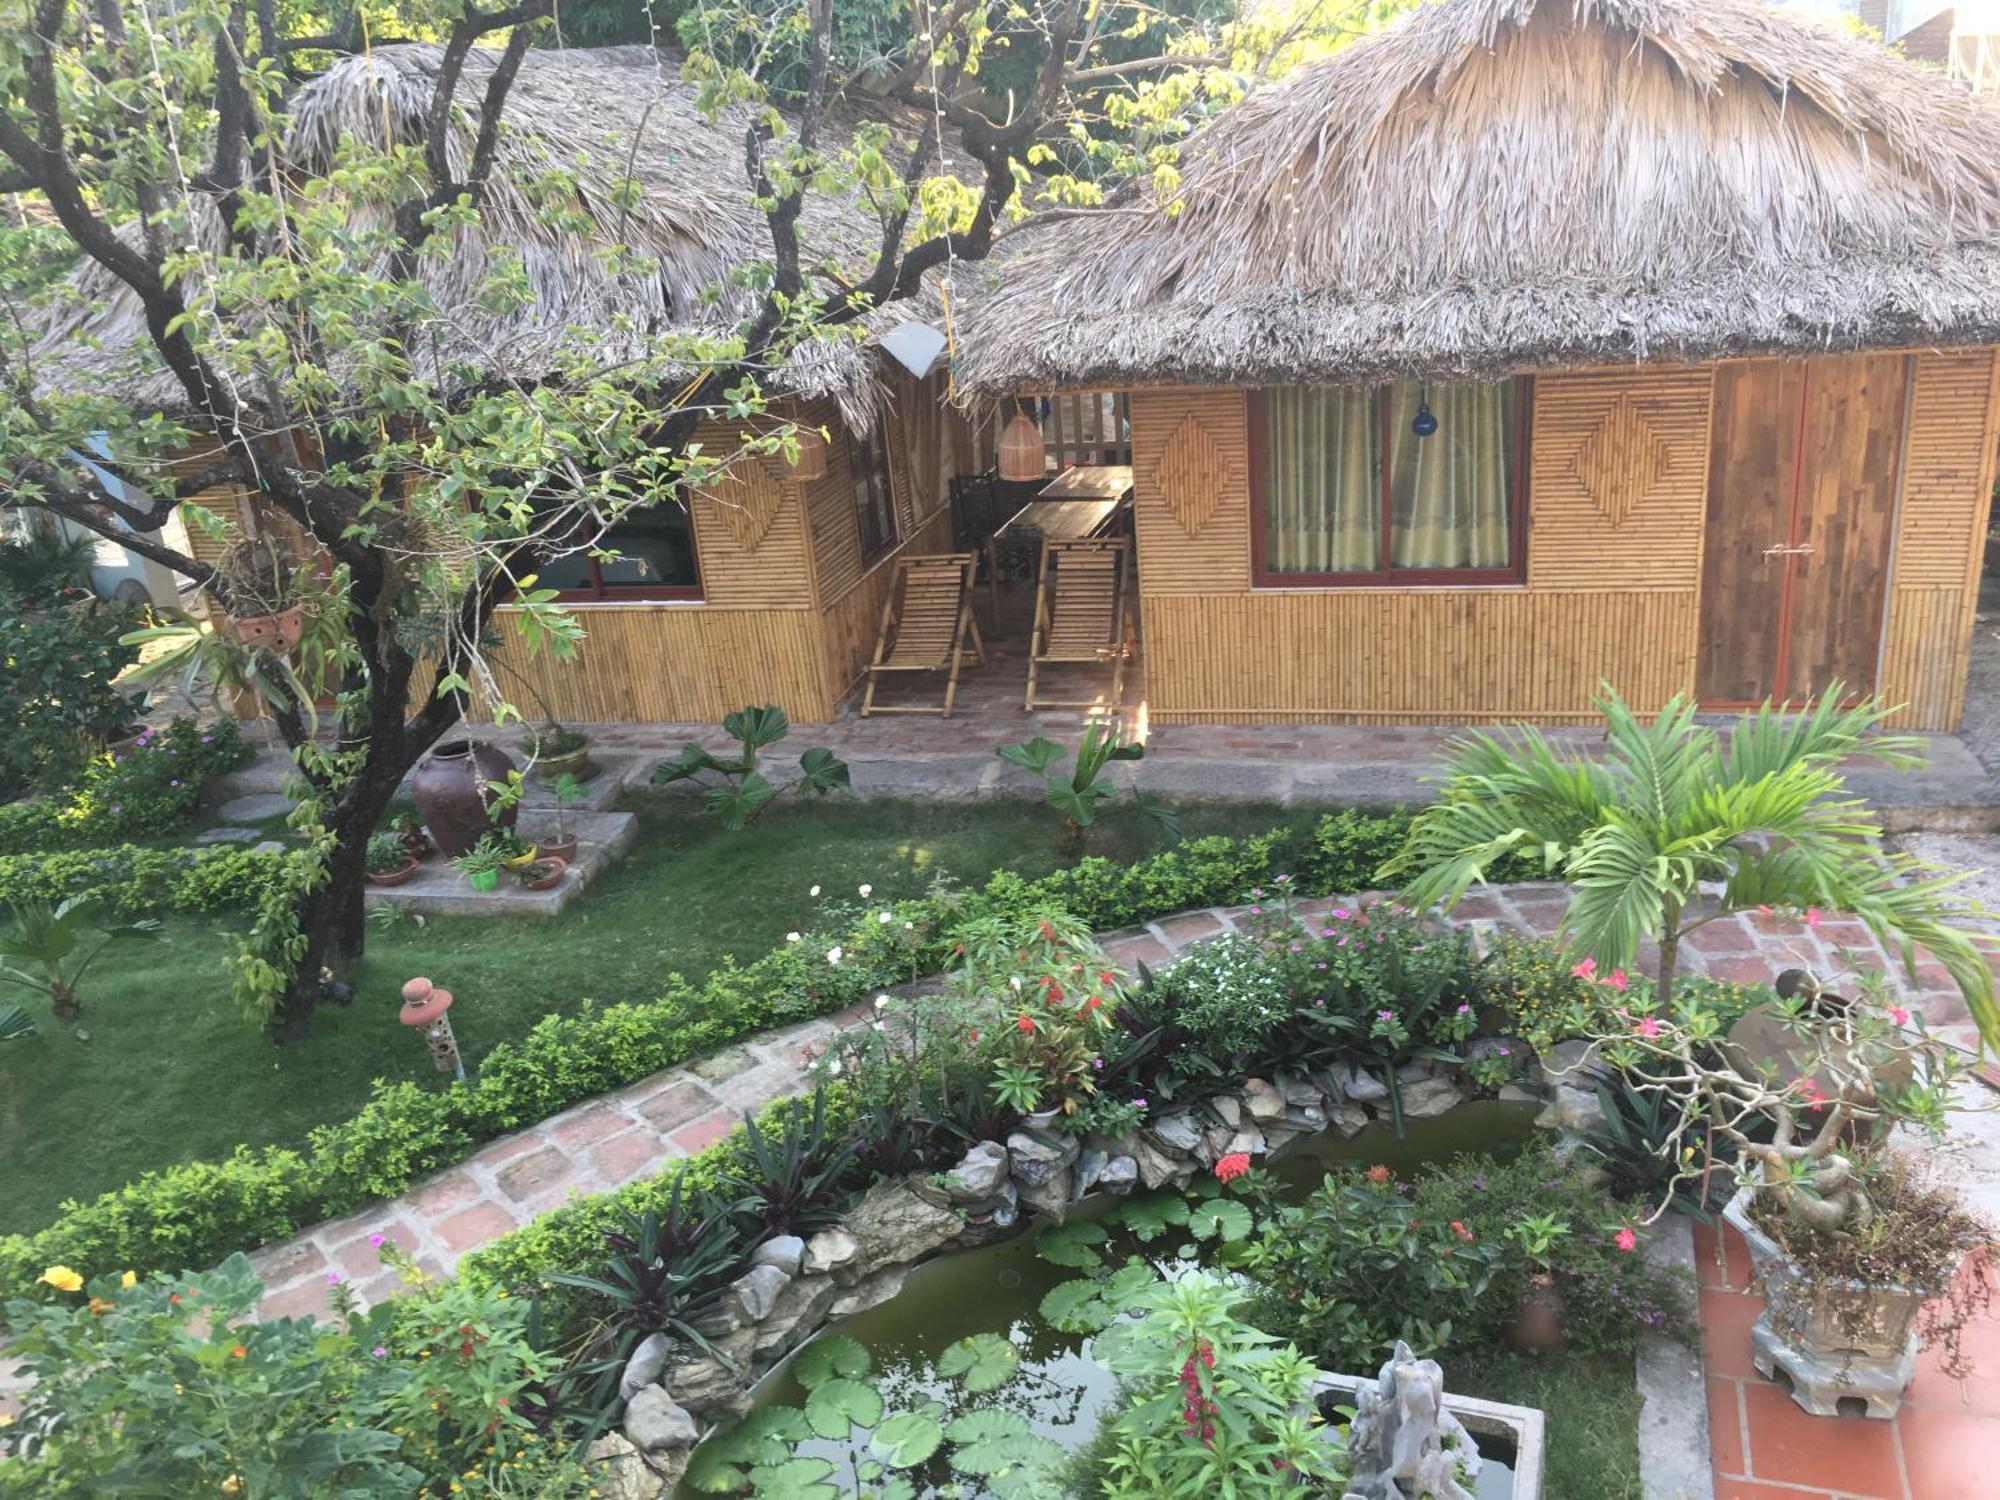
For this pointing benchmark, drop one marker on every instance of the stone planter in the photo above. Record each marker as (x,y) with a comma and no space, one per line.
(1491,1424)
(1835,1341)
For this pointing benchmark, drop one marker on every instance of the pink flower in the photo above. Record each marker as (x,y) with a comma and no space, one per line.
(1232,1166)
(1900,1014)
(1585,970)
(1617,980)
(1648,1028)
(375,1240)
(1626,1240)
(1812,916)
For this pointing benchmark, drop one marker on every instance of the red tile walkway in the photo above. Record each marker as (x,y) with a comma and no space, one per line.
(1943,1445)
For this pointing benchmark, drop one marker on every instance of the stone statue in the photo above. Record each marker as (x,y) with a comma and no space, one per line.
(1404,1444)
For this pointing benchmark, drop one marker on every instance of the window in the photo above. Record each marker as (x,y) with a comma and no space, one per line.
(1350,489)
(874,498)
(656,560)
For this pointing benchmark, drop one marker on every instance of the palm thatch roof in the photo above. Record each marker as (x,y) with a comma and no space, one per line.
(1501,184)
(650,173)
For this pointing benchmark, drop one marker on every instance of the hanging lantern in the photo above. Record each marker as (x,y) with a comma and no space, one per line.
(811,462)
(1021,453)
(1425,422)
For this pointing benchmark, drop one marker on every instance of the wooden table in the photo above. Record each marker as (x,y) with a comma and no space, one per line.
(1077,504)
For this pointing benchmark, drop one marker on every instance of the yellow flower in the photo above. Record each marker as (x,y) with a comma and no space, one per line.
(129,1279)
(99,1306)
(232,1484)
(62,1278)
(6,1419)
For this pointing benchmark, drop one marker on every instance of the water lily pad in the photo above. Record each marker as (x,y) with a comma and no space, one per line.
(1222,1218)
(982,1362)
(824,1358)
(835,1405)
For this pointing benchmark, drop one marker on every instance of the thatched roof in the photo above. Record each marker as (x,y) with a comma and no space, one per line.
(596,113)
(1500,184)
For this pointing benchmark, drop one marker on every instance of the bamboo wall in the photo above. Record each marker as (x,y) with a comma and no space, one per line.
(1617,497)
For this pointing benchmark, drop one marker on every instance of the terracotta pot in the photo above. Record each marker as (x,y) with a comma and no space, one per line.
(449,788)
(392,877)
(1538,1321)
(257,630)
(550,768)
(550,877)
(291,625)
(563,849)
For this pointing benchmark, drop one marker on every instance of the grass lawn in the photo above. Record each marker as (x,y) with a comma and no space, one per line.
(173,1072)
(1592,1404)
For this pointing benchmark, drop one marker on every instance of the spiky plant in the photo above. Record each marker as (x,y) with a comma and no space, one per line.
(1760,812)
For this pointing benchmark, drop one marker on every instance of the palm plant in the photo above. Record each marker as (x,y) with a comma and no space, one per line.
(48,940)
(1760,813)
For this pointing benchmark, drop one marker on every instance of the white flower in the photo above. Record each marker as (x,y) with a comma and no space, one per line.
(909,927)
(886,918)
(791,937)
(834,1067)
(866,889)
(879,1026)
(813,892)
(833,955)
(1015,980)
(881,1002)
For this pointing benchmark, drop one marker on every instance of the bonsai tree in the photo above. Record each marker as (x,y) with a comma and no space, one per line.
(41,953)
(1761,812)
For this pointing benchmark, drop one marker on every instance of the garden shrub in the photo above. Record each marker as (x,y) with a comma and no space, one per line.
(198,1213)
(1533,980)
(148,790)
(56,695)
(132,880)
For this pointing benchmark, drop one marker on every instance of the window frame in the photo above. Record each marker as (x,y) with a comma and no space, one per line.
(1515,572)
(601,592)
(878,443)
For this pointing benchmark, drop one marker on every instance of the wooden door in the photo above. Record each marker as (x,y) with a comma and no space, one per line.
(1804,468)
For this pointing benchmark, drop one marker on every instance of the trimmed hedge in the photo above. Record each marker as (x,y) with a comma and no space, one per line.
(195,1215)
(132,880)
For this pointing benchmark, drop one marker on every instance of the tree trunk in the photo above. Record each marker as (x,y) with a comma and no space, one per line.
(1670,952)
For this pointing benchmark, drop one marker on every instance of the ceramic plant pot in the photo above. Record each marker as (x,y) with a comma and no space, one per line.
(563,849)
(550,769)
(291,626)
(449,788)
(257,630)
(485,880)
(1538,1320)
(392,877)
(551,876)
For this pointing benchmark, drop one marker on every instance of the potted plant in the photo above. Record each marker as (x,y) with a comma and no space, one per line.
(481,864)
(410,834)
(543,872)
(389,863)
(567,792)
(515,852)
(556,750)
(1537,1327)
(261,580)
(1859,1260)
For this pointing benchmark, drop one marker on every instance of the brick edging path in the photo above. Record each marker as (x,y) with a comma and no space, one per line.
(637,1131)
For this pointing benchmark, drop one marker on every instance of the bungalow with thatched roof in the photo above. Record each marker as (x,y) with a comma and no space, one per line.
(765,588)
(1535,343)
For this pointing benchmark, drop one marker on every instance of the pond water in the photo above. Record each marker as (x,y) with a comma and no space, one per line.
(1059,1388)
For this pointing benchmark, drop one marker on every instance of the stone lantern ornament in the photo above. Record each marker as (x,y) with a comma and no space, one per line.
(424,1004)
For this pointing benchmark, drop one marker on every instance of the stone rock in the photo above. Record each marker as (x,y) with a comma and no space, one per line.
(254,807)
(1156,1167)
(1302,1093)
(1279,1135)
(755,1293)
(1120,1176)
(786,1251)
(1229,1107)
(1265,1101)
(1349,1119)
(1176,1132)
(1247,1143)
(1566,1061)
(618,1470)
(1049,1199)
(1403,1440)
(1513,1093)
(829,1250)
(1359,1085)
(978,1174)
(722,1318)
(716,1389)
(656,1423)
(226,836)
(800,1311)
(1426,1093)
(1035,1159)
(1571,1111)
(1089,1167)
(268,846)
(1304,1116)
(869,1292)
(892,1226)
(989,1220)
(647,1364)
(1215,1142)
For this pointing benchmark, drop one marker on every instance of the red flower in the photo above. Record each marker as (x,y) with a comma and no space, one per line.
(1232,1166)
(1378,1174)
(1459,1229)
(1026,1023)
(1626,1240)
(1092,1003)
(1104,977)
(1055,990)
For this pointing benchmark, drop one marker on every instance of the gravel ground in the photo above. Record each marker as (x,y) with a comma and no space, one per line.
(1976,853)
(1981,728)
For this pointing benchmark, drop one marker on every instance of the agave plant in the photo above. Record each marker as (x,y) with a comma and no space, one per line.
(49,939)
(793,1182)
(1760,813)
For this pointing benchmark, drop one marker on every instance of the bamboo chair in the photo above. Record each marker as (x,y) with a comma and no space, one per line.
(1083,609)
(925,623)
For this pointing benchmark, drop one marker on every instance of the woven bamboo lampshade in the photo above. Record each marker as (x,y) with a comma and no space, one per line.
(1021,454)
(811,462)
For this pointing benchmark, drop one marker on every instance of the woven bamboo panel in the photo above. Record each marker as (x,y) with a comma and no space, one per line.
(1618,479)
(1925,653)
(1945,467)
(771,572)
(1216,557)
(830,521)
(1413,657)
(675,664)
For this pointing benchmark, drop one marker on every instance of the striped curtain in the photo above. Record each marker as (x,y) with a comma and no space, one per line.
(1448,492)
(1322,480)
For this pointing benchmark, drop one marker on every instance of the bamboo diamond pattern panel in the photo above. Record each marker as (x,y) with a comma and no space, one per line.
(1192,475)
(1623,462)
(748,497)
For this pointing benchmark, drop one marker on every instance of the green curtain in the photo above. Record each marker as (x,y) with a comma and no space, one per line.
(1448,492)
(1322,480)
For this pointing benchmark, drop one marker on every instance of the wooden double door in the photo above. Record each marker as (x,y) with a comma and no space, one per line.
(1805,464)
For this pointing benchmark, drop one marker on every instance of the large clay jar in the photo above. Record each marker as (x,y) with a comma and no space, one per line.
(449,788)
(1538,1320)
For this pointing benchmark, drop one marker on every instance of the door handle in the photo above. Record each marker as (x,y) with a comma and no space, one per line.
(1803,550)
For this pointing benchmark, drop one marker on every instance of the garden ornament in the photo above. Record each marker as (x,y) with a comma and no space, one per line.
(424,1004)
(1403,1443)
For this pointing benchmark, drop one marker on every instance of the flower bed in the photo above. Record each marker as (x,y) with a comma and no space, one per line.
(150,789)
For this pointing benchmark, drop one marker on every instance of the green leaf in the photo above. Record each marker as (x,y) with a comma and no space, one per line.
(824,1358)
(796,1479)
(754,728)
(981,1362)
(1150,1216)
(984,1442)
(1037,755)
(1080,807)
(735,807)
(1223,1217)
(1069,1245)
(835,1405)
(822,770)
(907,1439)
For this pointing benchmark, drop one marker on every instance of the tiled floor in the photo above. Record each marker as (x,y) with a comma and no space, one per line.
(1943,1445)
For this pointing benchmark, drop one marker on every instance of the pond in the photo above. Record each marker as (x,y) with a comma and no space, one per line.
(1059,1388)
